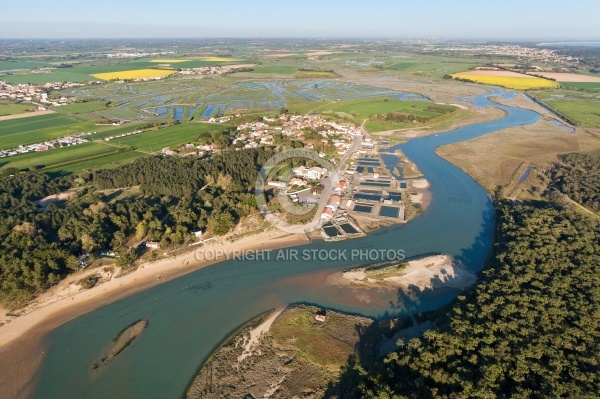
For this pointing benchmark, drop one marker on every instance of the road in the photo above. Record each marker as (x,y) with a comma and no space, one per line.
(331,182)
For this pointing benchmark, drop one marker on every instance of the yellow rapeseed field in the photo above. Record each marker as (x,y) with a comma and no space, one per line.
(509,82)
(219,59)
(169,61)
(134,74)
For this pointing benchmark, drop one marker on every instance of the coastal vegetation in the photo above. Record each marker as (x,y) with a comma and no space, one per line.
(578,177)
(527,329)
(38,249)
(580,107)
(298,355)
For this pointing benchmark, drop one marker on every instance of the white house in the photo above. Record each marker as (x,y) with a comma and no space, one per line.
(300,171)
(316,173)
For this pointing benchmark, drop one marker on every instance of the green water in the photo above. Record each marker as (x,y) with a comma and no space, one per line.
(188,317)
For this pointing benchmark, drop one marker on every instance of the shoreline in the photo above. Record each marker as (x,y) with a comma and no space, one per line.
(22,341)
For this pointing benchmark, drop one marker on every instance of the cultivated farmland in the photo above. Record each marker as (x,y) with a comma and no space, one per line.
(156,140)
(82,108)
(375,112)
(134,74)
(10,108)
(507,79)
(582,108)
(15,132)
(70,159)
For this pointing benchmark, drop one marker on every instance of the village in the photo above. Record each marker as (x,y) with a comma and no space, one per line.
(215,70)
(366,193)
(514,50)
(65,141)
(369,192)
(39,93)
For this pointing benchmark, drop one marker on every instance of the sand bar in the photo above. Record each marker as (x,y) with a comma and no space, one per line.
(22,346)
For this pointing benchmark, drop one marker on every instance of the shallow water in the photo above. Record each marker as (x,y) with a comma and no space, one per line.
(189,316)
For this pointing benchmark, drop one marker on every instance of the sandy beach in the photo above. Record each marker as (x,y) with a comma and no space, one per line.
(21,339)
(424,273)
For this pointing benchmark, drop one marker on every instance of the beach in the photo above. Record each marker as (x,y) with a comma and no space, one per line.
(22,343)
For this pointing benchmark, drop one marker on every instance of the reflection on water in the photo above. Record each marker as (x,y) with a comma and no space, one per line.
(191,315)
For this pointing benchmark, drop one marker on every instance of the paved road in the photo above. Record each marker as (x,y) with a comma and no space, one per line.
(334,178)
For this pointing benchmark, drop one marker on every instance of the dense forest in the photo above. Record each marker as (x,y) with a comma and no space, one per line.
(156,198)
(578,176)
(529,329)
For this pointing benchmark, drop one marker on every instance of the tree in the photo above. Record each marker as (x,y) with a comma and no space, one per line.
(141,230)
(220,223)
(127,259)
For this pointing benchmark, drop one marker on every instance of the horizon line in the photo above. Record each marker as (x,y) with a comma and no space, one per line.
(419,38)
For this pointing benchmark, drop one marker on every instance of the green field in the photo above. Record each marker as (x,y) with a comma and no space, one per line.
(10,108)
(69,159)
(314,74)
(276,69)
(11,65)
(108,131)
(34,129)
(39,78)
(76,73)
(156,140)
(581,85)
(402,65)
(437,68)
(82,73)
(583,113)
(101,161)
(82,108)
(366,109)
(581,107)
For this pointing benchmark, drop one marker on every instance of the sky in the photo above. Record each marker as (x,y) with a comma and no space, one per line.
(523,20)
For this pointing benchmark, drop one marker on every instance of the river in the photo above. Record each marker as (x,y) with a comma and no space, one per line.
(189,316)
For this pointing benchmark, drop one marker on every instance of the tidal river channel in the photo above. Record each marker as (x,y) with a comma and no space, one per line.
(189,316)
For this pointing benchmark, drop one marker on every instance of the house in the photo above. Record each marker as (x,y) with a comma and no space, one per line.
(300,171)
(341,186)
(197,233)
(327,214)
(320,317)
(367,146)
(333,203)
(294,181)
(152,244)
(315,173)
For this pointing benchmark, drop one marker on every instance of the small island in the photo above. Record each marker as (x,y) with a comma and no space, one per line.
(120,342)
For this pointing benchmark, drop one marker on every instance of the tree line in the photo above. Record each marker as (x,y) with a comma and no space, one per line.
(578,176)
(172,198)
(529,329)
